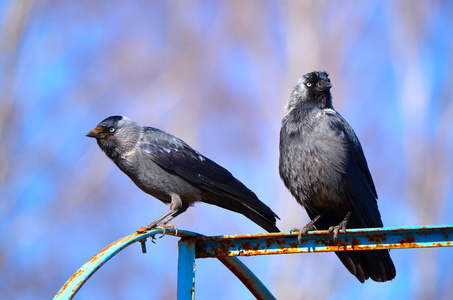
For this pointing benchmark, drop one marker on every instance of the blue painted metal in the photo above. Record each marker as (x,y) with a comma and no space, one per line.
(322,241)
(72,286)
(224,248)
(186,269)
(255,286)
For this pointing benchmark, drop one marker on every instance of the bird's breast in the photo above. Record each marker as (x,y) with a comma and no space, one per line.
(314,162)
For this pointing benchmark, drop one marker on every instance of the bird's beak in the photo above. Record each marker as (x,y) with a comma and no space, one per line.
(96,133)
(323,85)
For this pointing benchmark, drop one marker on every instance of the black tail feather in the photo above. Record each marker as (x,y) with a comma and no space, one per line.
(374,264)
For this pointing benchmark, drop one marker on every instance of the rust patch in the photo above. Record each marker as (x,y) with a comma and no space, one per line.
(65,286)
(224,248)
(376,238)
(281,244)
(355,243)
(268,243)
(408,240)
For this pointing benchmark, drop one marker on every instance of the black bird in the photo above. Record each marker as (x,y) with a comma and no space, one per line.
(323,166)
(165,167)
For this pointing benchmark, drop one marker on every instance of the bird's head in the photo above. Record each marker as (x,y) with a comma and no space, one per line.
(116,135)
(313,89)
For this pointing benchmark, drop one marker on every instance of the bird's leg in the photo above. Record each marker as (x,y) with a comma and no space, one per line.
(310,226)
(143,229)
(164,225)
(342,225)
(176,208)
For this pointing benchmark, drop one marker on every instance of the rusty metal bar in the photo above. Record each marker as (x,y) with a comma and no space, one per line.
(322,241)
(72,286)
(225,248)
(186,273)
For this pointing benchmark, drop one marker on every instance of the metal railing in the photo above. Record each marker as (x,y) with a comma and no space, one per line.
(192,246)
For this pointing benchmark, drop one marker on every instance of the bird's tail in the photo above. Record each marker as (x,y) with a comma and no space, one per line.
(254,210)
(375,264)
(265,219)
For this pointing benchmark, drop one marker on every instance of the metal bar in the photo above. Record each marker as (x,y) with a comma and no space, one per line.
(322,241)
(72,286)
(255,286)
(186,269)
(226,247)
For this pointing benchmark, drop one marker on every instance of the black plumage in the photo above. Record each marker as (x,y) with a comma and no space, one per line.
(323,166)
(165,167)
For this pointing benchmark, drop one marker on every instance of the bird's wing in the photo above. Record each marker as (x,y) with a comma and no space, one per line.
(357,177)
(178,158)
(175,156)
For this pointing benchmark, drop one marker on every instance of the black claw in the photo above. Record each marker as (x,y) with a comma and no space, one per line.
(152,239)
(300,236)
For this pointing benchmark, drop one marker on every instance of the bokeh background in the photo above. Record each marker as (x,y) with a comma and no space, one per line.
(218,75)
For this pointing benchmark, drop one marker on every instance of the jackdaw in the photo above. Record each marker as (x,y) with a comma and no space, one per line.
(323,166)
(168,169)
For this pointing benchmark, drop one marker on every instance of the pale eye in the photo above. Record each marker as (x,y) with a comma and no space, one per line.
(112,129)
(308,84)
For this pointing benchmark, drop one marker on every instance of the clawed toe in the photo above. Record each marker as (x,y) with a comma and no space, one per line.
(164,228)
(303,231)
(342,226)
(300,235)
(309,227)
(336,229)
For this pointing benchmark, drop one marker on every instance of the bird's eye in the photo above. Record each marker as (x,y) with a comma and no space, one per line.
(112,129)
(308,84)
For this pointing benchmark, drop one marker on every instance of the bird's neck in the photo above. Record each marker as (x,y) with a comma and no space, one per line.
(303,104)
(110,149)
(120,149)
(297,111)
(300,112)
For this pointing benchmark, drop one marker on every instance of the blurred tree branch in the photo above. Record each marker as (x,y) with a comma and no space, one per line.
(12,29)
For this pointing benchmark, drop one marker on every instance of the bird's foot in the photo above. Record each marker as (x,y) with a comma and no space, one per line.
(336,229)
(146,228)
(309,227)
(342,226)
(303,231)
(165,227)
